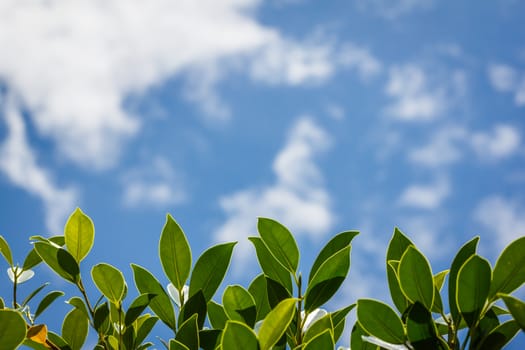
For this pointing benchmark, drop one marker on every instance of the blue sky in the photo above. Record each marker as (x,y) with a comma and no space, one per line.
(327,116)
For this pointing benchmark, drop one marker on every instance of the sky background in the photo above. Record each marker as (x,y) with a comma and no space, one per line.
(325,115)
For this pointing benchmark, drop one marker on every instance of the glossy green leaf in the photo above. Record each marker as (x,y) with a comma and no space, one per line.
(160,304)
(380,321)
(328,279)
(239,305)
(12,328)
(196,304)
(175,253)
(439,279)
(280,242)
(397,246)
(465,252)
(238,336)
(356,339)
(338,320)
(210,268)
(487,324)
(217,315)
(421,331)
(59,260)
(516,308)
(276,323)
(322,341)
(415,277)
(75,329)
(177,345)
(6,251)
(145,324)
(500,336)
(109,281)
(275,293)
(32,259)
(269,264)
(321,325)
(340,241)
(188,333)
(259,292)
(509,272)
(209,339)
(473,283)
(79,304)
(79,234)
(46,301)
(34,293)
(399,299)
(136,307)
(101,320)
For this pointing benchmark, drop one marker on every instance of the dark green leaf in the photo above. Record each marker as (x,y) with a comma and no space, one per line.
(421,331)
(160,304)
(59,260)
(465,252)
(516,308)
(75,329)
(337,243)
(175,253)
(33,293)
(239,305)
(509,272)
(276,323)
(258,290)
(500,336)
(483,328)
(196,304)
(101,320)
(328,279)
(379,320)
(473,283)
(238,336)
(338,319)
(397,246)
(209,338)
(217,315)
(47,300)
(12,329)
(145,324)
(137,307)
(210,268)
(280,242)
(399,299)
(79,235)
(322,341)
(109,281)
(188,333)
(269,264)
(356,339)
(275,293)
(415,278)
(177,345)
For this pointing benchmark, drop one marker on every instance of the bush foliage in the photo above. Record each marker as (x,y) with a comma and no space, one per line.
(278,310)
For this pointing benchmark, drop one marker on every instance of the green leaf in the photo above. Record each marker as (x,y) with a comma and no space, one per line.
(500,336)
(238,336)
(415,277)
(175,253)
(465,252)
(75,329)
(439,279)
(34,293)
(322,341)
(196,304)
(397,246)
(209,339)
(177,345)
(137,307)
(275,293)
(32,259)
(356,339)
(101,321)
(239,305)
(46,301)
(327,279)
(145,324)
(516,308)
(340,241)
(6,251)
(217,315)
(379,320)
(269,264)
(210,268)
(509,272)
(319,326)
(160,304)
(473,283)
(12,329)
(79,304)
(421,331)
(276,323)
(338,320)
(280,242)
(79,235)
(188,333)
(259,292)
(486,325)
(109,281)
(59,260)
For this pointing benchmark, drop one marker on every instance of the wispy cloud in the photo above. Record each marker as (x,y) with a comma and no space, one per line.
(419,96)
(297,198)
(154,185)
(19,164)
(506,78)
(502,142)
(502,218)
(427,197)
(393,9)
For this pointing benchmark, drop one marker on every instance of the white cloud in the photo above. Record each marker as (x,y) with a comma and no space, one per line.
(505,78)
(393,9)
(18,163)
(449,144)
(426,196)
(353,56)
(415,99)
(502,218)
(156,185)
(297,198)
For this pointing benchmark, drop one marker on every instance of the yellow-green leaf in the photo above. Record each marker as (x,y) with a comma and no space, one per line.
(79,234)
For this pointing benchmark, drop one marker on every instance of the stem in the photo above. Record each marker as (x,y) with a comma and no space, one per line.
(14,291)
(120,324)
(300,321)
(91,310)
